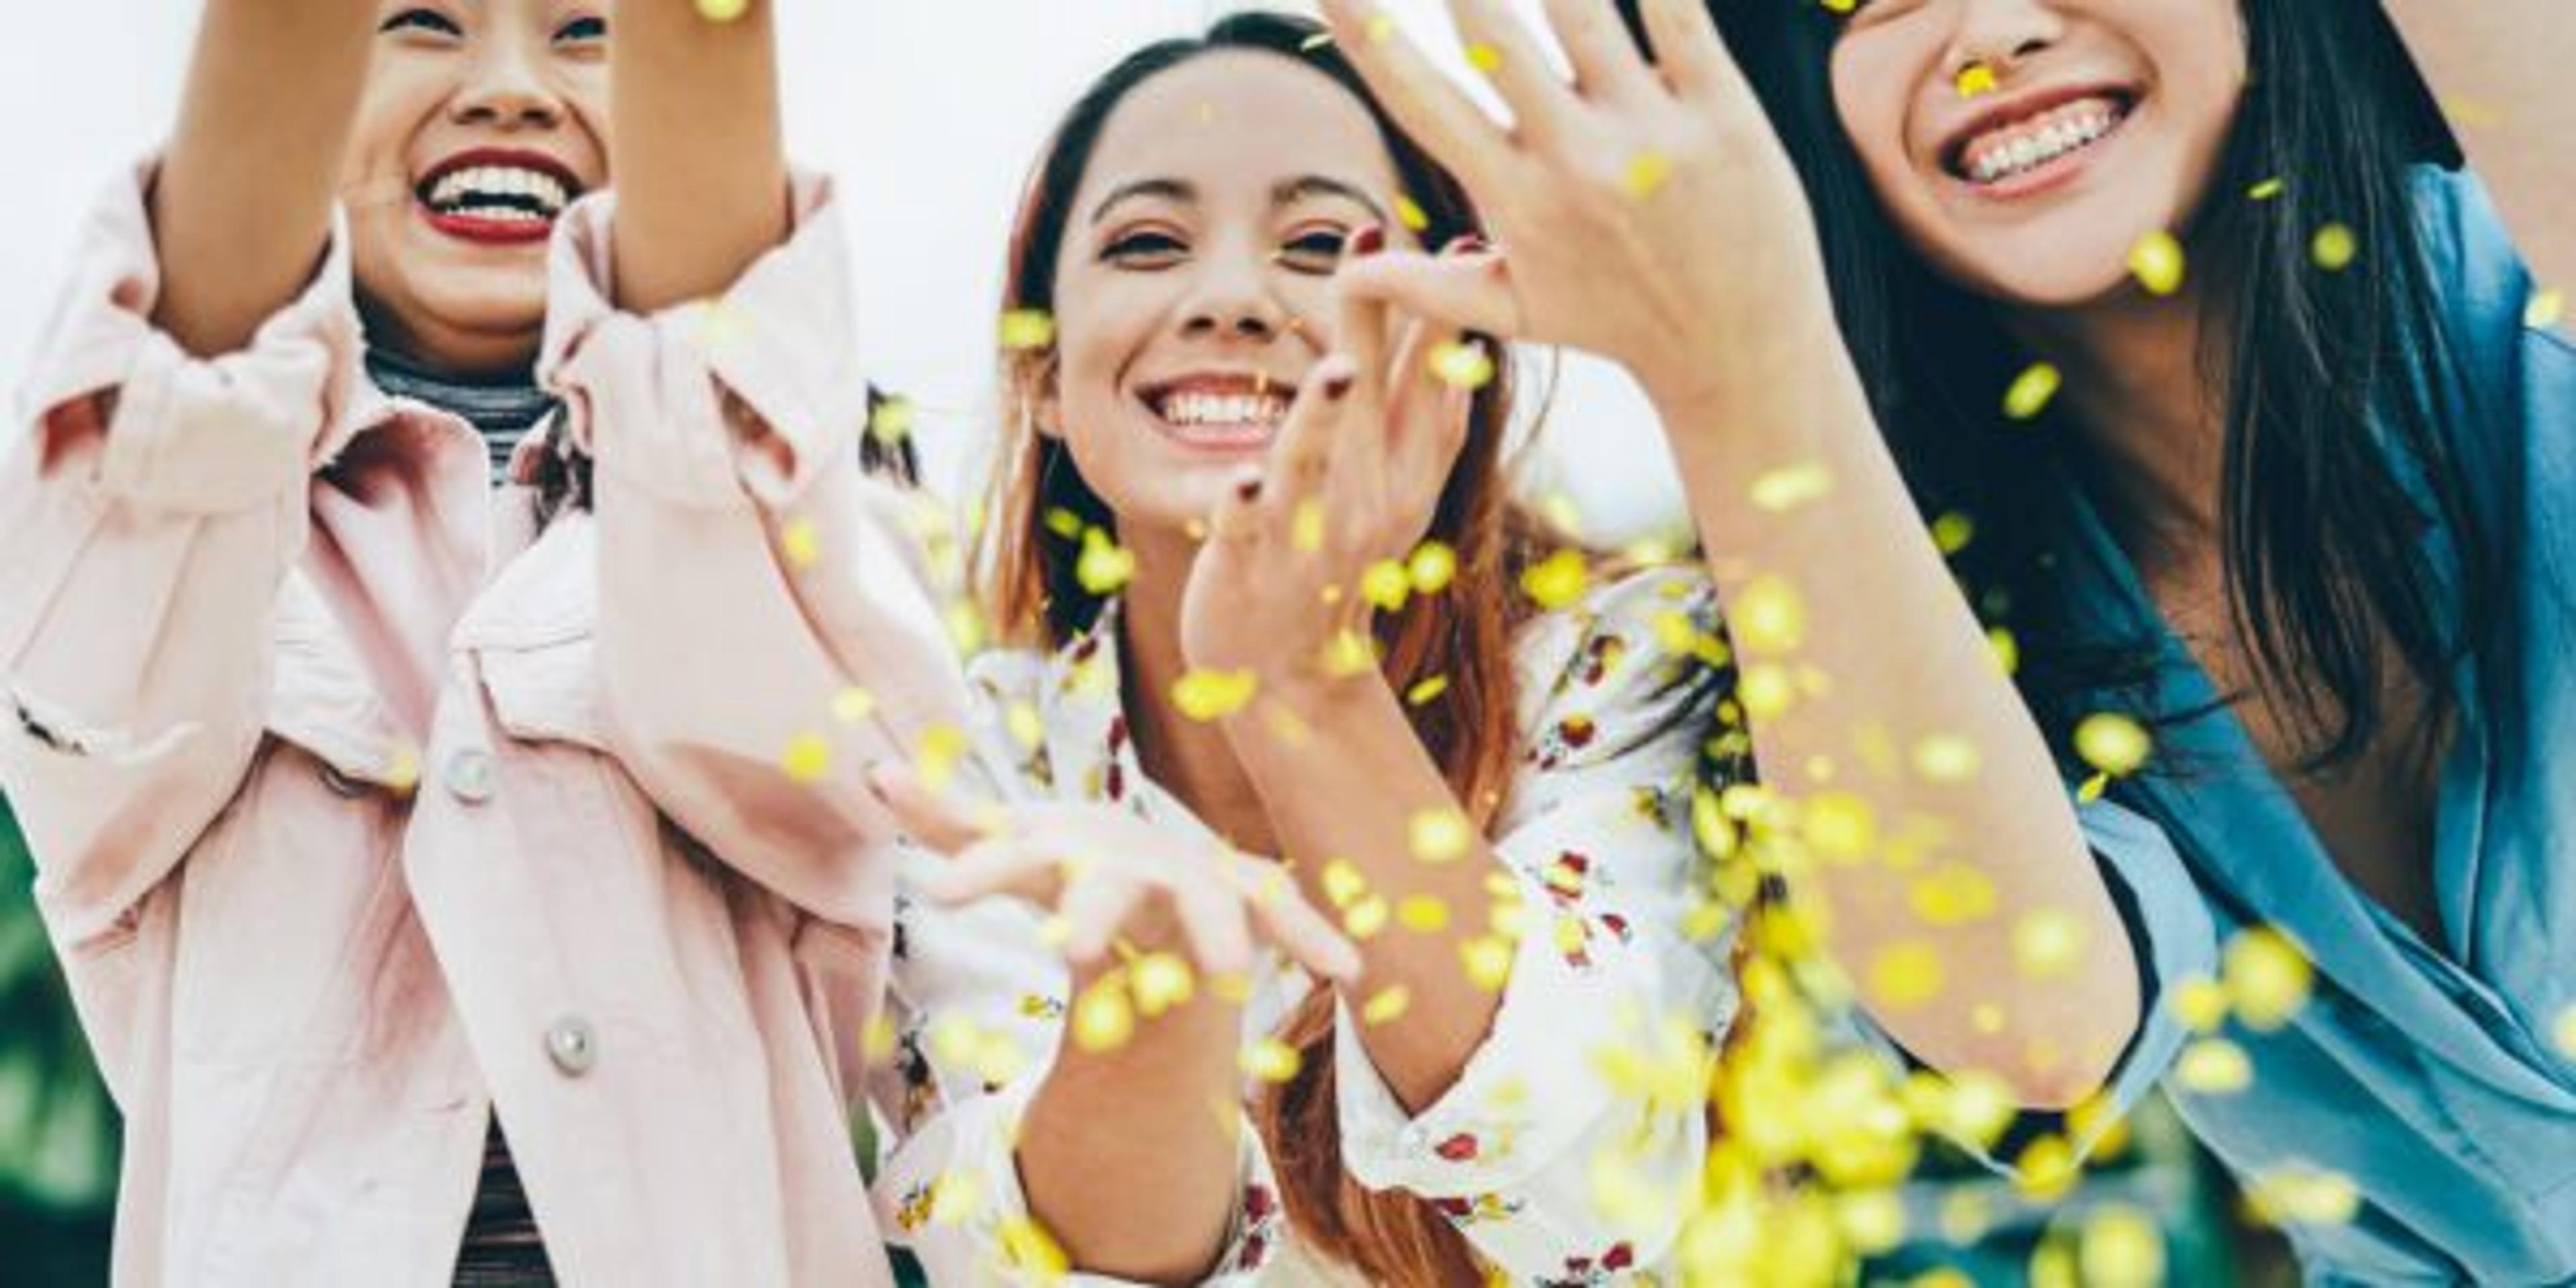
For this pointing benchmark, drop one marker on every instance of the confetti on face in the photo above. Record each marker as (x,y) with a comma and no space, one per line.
(2157,262)
(2114,744)
(1270,1060)
(2333,248)
(807,760)
(1976,80)
(1207,696)
(2266,978)
(1557,581)
(1463,365)
(1026,330)
(2031,391)
(1103,567)
(1792,486)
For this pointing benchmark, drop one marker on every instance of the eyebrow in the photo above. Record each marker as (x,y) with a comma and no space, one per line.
(1286,192)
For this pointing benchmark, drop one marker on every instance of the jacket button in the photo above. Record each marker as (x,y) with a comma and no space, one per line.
(469,775)
(572,1046)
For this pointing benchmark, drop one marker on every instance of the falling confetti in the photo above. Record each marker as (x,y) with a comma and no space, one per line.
(1205,696)
(2032,391)
(2114,744)
(1410,213)
(1462,364)
(1386,585)
(1161,981)
(1027,329)
(1792,486)
(2120,1247)
(1976,80)
(1555,582)
(723,10)
(1271,1060)
(1484,57)
(2214,1067)
(2545,310)
(808,759)
(2333,248)
(2266,978)
(1440,835)
(2266,190)
(2157,261)
(1427,691)
(1103,1018)
(1432,568)
(1103,568)
(1647,174)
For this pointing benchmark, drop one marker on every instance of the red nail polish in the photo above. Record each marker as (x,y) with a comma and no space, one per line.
(1368,240)
(1249,489)
(1337,387)
(1469,244)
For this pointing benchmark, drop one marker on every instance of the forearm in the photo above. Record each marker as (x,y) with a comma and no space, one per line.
(1903,659)
(242,208)
(696,150)
(1353,788)
(2496,66)
(1129,1156)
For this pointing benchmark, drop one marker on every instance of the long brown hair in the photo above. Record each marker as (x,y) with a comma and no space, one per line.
(1027,561)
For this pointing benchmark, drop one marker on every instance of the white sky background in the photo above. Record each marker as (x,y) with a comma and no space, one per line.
(930,112)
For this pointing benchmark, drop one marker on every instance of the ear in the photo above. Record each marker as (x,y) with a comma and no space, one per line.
(1041,394)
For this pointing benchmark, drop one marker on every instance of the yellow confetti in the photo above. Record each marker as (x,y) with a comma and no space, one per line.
(2201,1004)
(1349,653)
(1440,835)
(800,544)
(1027,329)
(1790,487)
(1647,174)
(2157,260)
(808,759)
(1342,882)
(1947,758)
(1386,585)
(1484,57)
(1028,1249)
(723,10)
(1381,26)
(1976,80)
(2112,743)
(1953,894)
(1463,364)
(1769,617)
(2304,1196)
(2047,943)
(402,770)
(1306,528)
(1207,696)
(1387,1005)
(1410,213)
(2266,190)
(2047,1170)
(1557,581)
(2564,1032)
(1432,568)
(1025,725)
(1064,523)
(1488,959)
(2032,391)
(965,624)
(1271,1060)
(850,706)
(1103,568)
(1840,825)
(2266,977)
(1906,975)
(1103,1018)
(1162,981)
(892,421)
(955,1198)
(1426,692)
(2214,1067)
(1366,918)
(2007,649)
(2334,247)
(2545,309)
(1423,914)
(1953,532)
(942,746)
(2120,1247)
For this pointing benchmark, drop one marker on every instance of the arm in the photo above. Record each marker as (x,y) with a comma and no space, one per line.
(2506,59)
(278,80)
(695,148)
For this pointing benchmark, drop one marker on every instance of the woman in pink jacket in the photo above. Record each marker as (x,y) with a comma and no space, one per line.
(464,882)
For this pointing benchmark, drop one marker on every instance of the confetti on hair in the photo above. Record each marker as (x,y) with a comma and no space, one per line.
(1556,582)
(1646,175)
(1427,691)
(1439,835)
(1206,696)
(2266,190)
(1103,567)
(2032,391)
(1463,364)
(2334,247)
(1976,80)
(1792,486)
(2267,977)
(1432,568)
(1024,330)
(807,760)
(2545,310)
(1389,1004)
(2157,262)
(1270,1060)
(1064,523)
(1410,213)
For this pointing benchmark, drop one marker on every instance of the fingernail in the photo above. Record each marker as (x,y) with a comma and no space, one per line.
(1248,488)
(1469,244)
(1369,240)
(1338,385)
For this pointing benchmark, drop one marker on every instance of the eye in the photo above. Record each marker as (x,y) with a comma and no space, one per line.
(1314,250)
(590,30)
(1145,249)
(429,21)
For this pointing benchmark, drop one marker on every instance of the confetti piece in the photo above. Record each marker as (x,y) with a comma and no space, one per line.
(1463,364)
(1646,175)
(1342,882)
(1027,329)
(892,421)
(1349,653)
(1025,725)
(1953,894)
(1422,914)
(2047,1170)
(2031,391)
(2112,743)
(800,544)
(1790,487)
(2201,1004)
(1270,1060)
(2214,1067)
(2564,1032)
(2266,190)
(1840,825)
(965,624)
(1207,696)
(808,759)
(1426,692)
(723,10)
(1769,617)
(850,706)
(1161,981)
(1064,523)
(1906,975)
(1440,835)
(955,1198)
(2266,977)
(2047,943)
(935,759)
(1947,758)
(1381,26)
(1488,960)
(1557,581)
(2157,261)
(1953,532)
(1366,918)
(2120,1247)
(1432,568)
(1389,1004)
(1028,1249)
(1410,213)
(1103,1018)
(1872,1221)
(1386,585)
(1103,567)
(1976,80)
(2304,1196)
(1484,57)
(2545,309)
(2007,649)
(2333,248)
(402,770)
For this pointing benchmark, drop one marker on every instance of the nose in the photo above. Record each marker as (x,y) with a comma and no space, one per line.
(1230,297)
(507,83)
(2003,33)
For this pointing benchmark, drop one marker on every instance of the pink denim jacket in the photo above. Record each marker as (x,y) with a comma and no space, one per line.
(362,810)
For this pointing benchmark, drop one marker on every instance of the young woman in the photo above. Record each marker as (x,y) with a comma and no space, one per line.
(1215,452)
(2302,506)
(419,851)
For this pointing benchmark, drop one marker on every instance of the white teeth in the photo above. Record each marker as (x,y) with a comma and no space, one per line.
(1224,409)
(2030,145)
(483,186)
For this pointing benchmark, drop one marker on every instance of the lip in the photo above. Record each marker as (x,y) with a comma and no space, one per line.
(494,232)
(1952,153)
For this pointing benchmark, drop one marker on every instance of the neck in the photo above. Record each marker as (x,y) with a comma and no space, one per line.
(2153,423)
(452,353)
(1193,760)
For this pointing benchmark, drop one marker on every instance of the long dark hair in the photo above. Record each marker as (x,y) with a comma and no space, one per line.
(2336,383)
(1033,595)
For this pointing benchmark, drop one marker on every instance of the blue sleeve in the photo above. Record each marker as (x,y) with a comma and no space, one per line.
(2517,378)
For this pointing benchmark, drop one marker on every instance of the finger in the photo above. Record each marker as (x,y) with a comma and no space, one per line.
(1304,453)
(1470,292)
(1095,908)
(1239,514)
(1003,866)
(932,819)
(1213,919)
(1433,110)
(1607,63)
(1291,924)
(1543,105)
(1688,49)
(1359,325)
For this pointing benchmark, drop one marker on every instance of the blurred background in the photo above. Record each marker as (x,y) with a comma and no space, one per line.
(929,114)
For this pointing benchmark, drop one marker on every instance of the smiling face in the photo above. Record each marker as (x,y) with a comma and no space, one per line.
(1191,287)
(2023,147)
(482,120)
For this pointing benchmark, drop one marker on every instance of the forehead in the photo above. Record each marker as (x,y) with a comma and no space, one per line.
(1238,117)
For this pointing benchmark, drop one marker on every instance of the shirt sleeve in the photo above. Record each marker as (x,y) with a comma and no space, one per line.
(1610,977)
